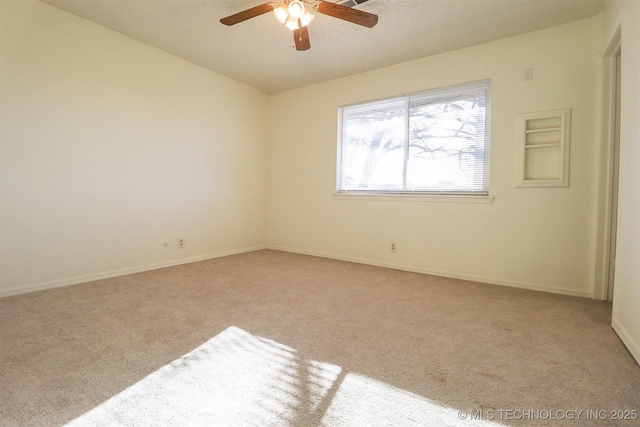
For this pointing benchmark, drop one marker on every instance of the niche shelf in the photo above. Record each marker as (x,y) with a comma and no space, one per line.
(545,138)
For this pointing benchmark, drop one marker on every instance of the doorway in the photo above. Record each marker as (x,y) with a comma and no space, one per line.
(613,225)
(609,165)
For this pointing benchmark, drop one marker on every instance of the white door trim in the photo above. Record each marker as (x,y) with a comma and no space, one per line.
(607,160)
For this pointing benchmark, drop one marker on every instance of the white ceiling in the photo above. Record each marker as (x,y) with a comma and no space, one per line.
(259,51)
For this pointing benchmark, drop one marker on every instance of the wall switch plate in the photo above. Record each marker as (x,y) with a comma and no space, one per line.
(528,74)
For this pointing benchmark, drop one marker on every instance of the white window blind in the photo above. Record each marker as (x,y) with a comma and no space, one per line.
(430,142)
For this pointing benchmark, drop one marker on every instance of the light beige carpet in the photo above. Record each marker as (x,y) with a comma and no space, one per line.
(270,338)
(240,379)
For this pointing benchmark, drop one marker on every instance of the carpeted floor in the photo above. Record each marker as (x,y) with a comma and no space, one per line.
(273,338)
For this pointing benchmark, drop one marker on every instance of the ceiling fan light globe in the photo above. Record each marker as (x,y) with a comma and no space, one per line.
(306,18)
(296,9)
(292,23)
(281,13)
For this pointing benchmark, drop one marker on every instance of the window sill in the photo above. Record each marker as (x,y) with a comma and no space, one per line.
(424,198)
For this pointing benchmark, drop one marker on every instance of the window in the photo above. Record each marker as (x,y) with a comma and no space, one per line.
(434,142)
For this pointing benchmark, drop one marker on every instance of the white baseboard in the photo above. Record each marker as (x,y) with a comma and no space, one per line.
(116,273)
(149,267)
(627,340)
(491,281)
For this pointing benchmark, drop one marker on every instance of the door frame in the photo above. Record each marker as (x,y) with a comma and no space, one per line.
(607,168)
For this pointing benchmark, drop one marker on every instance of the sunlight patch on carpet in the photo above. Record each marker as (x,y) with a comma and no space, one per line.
(238,379)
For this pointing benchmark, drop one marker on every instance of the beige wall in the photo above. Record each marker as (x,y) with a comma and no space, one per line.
(626,299)
(538,238)
(111,147)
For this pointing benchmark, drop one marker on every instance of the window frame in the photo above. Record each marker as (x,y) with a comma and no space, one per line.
(450,92)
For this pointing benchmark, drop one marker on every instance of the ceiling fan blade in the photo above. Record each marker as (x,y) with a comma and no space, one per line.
(248,14)
(348,14)
(301,39)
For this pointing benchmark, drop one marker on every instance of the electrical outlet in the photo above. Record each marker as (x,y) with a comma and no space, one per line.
(180,243)
(393,248)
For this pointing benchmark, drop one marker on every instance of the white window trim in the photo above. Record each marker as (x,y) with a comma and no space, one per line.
(416,197)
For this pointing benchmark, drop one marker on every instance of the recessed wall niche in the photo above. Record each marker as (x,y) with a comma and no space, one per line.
(544,155)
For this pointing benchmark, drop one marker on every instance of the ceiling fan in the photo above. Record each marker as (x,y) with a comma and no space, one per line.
(296,16)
